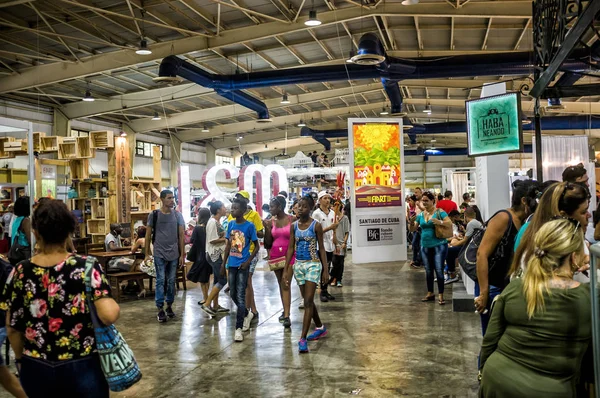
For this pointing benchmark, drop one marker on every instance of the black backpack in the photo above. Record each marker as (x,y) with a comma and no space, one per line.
(498,262)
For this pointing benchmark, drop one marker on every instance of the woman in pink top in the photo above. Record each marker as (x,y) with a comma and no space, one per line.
(277,240)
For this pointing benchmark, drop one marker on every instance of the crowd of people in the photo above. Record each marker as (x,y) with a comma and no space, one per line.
(531,285)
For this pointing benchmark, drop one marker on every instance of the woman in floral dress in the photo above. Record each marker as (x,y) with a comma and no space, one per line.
(48,316)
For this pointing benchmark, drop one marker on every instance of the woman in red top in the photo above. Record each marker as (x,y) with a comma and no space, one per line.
(277,240)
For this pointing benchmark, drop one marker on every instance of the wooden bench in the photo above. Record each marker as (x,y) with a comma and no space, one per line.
(94,247)
(115,279)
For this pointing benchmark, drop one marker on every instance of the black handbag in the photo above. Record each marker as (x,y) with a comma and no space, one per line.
(498,262)
(18,252)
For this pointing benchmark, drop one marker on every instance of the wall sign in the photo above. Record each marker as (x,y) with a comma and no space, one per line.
(377,170)
(378,230)
(123,173)
(494,125)
(377,186)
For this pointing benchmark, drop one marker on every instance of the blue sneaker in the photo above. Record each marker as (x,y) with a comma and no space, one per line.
(302,346)
(317,334)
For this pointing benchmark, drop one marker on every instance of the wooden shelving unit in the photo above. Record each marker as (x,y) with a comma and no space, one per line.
(49,144)
(94,208)
(102,139)
(3,153)
(67,148)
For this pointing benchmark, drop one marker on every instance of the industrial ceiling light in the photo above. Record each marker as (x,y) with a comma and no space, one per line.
(384,111)
(337,142)
(525,120)
(143,48)
(88,96)
(266,147)
(123,134)
(427,109)
(433,140)
(156,116)
(301,124)
(205,129)
(312,19)
(284,99)
(410,2)
(239,138)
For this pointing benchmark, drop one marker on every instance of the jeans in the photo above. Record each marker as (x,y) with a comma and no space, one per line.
(433,258)
(485,318)
(416,247)
(238,280)
(165,269)
(337,271)
(219,281)
(74,378)
(451,257)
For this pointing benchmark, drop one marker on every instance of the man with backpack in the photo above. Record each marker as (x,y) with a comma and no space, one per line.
(166,227)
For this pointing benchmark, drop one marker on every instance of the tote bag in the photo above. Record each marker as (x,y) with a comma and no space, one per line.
(116,358)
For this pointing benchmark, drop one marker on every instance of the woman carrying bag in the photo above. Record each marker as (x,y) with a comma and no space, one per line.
(201,270)
(20,247)
(58,305)
(436,227)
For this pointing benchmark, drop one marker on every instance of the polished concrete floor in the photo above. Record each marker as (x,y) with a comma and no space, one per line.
(383,342)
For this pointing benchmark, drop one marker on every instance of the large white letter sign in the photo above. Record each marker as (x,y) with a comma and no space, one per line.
(209,183)
(264,189)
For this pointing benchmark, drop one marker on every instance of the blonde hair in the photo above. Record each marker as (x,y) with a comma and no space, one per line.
(554,241)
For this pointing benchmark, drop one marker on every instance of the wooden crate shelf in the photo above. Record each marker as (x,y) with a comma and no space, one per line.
(67,150)
(3,153)
(99,208)
(49,144)
(96,227)
(37,141)
(80,169)
(102,139)
(83,149)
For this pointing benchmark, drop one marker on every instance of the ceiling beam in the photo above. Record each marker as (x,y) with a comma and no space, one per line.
(51,73)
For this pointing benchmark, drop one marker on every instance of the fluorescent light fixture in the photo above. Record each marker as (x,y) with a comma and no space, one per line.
(384,112)
(143,49)
(156,116)
(284,99)
(312,19)
(88,96)
(301,124)
(205,129)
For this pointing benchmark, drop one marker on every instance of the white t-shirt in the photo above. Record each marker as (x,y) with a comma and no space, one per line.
(111,238)
(212,233)
(326,220)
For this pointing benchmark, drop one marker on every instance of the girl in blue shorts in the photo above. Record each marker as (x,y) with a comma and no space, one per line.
(306,235)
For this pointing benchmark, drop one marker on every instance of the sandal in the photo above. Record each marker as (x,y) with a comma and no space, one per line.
(441,302)
(428,298)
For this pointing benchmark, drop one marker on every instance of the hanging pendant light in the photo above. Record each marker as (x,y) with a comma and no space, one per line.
(143,48)
(409,2)
(312,19)
(88,96)
(384,111)
(337,142)
(427,109)
(156,116)
(285,99)
(205,129)
(301,124)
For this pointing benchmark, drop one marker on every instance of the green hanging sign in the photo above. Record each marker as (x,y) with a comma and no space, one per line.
(494,125)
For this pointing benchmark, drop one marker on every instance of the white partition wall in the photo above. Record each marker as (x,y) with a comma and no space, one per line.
(377,186)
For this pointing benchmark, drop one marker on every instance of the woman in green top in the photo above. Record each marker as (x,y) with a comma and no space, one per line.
(433,249)
(540,327)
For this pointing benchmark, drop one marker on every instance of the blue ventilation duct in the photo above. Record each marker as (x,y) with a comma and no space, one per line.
(548,123)
(248,101)
(370,62)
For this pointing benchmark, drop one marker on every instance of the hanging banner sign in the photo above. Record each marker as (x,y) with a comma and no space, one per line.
(377,180)
(494,125)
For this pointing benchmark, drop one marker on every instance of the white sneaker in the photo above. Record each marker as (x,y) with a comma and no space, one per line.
(247,321)
(239,337)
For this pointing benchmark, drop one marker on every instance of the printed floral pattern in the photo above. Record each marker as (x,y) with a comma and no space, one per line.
(49,306)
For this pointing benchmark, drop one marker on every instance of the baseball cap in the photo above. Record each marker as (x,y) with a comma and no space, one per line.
(323,193)
(244,194)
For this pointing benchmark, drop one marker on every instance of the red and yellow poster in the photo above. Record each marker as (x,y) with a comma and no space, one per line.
(377,174)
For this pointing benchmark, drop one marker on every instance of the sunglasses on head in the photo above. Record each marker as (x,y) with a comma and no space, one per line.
(573,221)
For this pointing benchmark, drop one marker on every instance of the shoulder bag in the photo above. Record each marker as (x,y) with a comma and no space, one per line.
(499,260)
(111,346)
(18,252)
(442,231)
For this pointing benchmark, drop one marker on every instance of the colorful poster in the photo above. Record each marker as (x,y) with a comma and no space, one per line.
(377,164)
